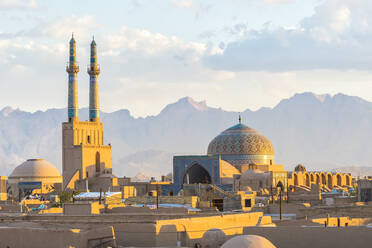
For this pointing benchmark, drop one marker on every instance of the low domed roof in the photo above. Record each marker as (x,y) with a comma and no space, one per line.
(35,168)
(300,168)
(248,241)
(240,140)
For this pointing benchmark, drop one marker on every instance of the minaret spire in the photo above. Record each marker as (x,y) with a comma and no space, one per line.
(72,70)
(93,71)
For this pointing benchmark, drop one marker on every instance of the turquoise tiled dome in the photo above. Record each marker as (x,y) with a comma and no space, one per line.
(240,140)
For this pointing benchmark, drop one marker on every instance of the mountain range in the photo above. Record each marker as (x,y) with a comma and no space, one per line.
(322,132)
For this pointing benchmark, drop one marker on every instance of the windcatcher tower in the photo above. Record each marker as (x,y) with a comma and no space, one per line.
(86,161)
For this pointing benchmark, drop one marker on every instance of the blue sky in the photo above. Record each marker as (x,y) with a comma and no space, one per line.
(235,54)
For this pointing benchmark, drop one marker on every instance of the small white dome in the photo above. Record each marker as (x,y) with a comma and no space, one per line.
(248,241)
(35,168)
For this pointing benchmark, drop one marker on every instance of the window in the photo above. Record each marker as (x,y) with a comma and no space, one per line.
(88,139)
(248,203)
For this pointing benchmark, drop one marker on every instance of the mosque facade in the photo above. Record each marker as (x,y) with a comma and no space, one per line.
(240,159)
(230,154)
(84,155)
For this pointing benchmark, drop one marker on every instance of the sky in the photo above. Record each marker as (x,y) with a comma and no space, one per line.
(235,54)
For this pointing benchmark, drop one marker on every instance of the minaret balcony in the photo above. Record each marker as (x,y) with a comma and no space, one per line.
(93,69)
(72,67)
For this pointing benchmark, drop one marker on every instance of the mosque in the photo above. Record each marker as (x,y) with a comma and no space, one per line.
(235,151)
(238,159)
(86,161)
(241,158)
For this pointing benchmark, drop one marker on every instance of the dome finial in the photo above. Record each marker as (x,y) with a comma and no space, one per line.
(240,119)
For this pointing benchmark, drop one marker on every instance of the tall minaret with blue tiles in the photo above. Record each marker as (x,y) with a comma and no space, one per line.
(72,70)
(93,71)
(84,155)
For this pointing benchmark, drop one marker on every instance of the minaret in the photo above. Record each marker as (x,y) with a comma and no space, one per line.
(72,70)
(93,71)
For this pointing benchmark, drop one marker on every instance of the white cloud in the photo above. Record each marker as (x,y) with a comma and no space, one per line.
(129,57)
(18,4)
(337,36)
(141,55)
(276,1)
(185,4)
(148,43)
(224,75)
(62,28)
(200,9)
(143,70)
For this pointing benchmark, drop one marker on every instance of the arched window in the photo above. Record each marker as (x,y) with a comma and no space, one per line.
(339,180)
(329,181)
(347,180)
(295,180)
(324,180)
(307,179)
(98,162)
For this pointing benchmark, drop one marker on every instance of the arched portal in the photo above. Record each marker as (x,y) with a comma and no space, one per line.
(280,185)
(98,162)
(317,179)
(196,174)
(295,179)
(338,179)
(312,177)
(307,180)
(329,181)
(9,192)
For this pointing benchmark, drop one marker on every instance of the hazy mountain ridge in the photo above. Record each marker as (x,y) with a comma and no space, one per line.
(323,132)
